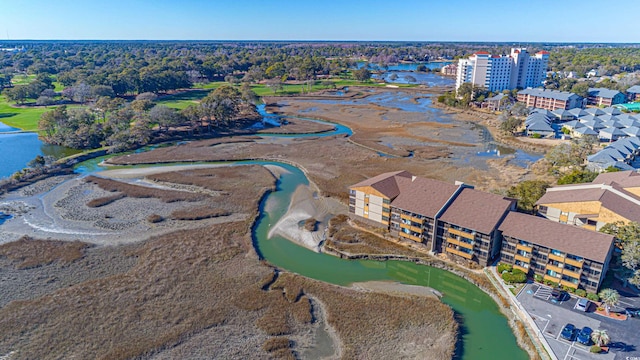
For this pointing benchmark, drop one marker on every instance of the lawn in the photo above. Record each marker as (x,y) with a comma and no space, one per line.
(22,118)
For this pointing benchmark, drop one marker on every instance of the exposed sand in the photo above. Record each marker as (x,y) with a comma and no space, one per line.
(396,288)
(305,205)
(61,212)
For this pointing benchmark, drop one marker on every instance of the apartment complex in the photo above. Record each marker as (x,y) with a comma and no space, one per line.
(481,227)
(566,255)
(550,99)
(443,217)
(609,198)
(605,97)
(449,70)
(503,72)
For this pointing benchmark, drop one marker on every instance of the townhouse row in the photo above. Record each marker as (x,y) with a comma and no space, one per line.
(480,227)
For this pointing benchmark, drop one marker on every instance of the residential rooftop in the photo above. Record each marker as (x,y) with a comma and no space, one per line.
(566,238)
(477,210)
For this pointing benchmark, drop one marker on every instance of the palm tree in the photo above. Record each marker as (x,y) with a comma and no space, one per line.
(600,337)
(609,297)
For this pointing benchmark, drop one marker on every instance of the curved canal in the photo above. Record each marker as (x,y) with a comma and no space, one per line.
(484,330)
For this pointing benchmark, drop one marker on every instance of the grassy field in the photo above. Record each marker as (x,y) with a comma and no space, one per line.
(22,118)
(27,118)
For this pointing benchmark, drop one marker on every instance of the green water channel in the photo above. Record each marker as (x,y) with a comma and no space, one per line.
(485,332)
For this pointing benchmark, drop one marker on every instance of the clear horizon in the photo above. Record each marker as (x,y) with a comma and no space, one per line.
(544,21)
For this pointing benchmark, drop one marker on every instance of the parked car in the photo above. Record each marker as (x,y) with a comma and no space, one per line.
(632,312)
(583,305)
(584,336)
(568,332)
(559,295)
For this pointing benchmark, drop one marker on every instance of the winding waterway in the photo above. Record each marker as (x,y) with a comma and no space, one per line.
(485,333)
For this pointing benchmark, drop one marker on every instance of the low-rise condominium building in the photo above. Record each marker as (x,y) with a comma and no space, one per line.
(565,255)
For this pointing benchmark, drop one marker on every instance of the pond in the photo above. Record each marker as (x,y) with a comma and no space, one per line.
(17,149)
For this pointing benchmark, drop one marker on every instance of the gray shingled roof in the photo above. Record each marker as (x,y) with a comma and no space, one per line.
(635,89)
(566,238)
(603,92)
(550,94)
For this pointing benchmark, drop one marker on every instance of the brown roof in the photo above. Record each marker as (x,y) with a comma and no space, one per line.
(423,196)
(477,210)
(385,183)
(630,178)
(567,238)
(607,198)
(577,195)
(621,206)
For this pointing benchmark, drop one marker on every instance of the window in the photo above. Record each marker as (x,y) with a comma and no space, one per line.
(542,209)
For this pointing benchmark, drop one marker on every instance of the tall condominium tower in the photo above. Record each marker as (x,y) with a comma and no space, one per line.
(500,72)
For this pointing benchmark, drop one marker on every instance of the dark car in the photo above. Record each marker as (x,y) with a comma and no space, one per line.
(584,336)
(568,332)
(559,295)
(632,312)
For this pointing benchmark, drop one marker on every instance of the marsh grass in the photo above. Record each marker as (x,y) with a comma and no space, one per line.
(136,191)
(30,253)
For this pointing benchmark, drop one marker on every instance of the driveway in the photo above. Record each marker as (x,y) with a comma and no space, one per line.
(551,316)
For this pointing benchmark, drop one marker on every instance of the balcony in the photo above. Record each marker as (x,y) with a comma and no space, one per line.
(552,278)
(573,274)
(569,284)
(411,218)
(524,269)
(412,228)
(459,253)
(461,233)
(554,268)
(410,237)
(575,263)
(522,258)
(556,257)
(528,249)
(459,243)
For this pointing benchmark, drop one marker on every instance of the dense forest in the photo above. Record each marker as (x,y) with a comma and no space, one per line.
(110,87)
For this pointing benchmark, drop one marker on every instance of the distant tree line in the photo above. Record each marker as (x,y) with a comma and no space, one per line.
(113,122)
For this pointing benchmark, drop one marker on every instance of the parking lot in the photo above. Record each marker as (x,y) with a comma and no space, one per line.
(551,316)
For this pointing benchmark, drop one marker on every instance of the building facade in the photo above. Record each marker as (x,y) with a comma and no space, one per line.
(550,99)
(565,255)
(441,217)
(503,72)
(449,70)
(605,97)
(609,198)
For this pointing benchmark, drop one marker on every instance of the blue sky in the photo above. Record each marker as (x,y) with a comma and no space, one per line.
(414,20)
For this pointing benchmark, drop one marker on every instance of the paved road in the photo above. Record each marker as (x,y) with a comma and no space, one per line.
(551,317)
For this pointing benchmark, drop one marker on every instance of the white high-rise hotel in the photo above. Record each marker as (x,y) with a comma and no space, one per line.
(500,72)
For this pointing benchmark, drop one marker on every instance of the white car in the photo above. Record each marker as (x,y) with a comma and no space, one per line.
(583,304)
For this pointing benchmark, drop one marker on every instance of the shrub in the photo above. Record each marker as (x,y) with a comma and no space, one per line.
(154,218)
(538,278)
(581,292)
(568,289)
(536,136)
(593,297)
(276,343)
(516,276)
(596,349)
(502,267)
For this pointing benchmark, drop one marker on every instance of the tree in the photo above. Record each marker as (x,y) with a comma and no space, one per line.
(609,298)
(38,162)
(527,193)
(577,176)
(581,89)
(410,79)
(165,117)
(274,84)
(222,104)
(81,93)
(629,237)
(363,74)
(600,337)
(510,125)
